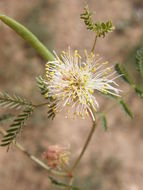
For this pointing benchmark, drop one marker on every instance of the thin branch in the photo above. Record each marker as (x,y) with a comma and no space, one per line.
(93,48)
(35,159)
(41,105)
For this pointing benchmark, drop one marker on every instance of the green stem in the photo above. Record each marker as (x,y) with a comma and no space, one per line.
(41,105)
(33,158)
(28,37)
(83,151)
(70,183)
(93,48)
(92,115)
(85,146)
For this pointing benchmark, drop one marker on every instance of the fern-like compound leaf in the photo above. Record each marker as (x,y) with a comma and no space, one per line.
(51,112)
(8,101)
(139,59)
(123,73)
(16,127)
(139,91)
(125,108)
(42,86)
(100,28)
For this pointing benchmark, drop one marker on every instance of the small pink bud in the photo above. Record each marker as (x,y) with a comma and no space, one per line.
(57,156)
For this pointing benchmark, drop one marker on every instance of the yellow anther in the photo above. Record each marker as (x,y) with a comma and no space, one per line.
(85,78)
(81,101)
(60,62)
(86,67)
(106,62)
(109,69)
(87,114)
(63,52)
(54,97)
(71,82)
(91,91)
(79,56)
(82,69)
(94,69)
(52,73)
(105,92)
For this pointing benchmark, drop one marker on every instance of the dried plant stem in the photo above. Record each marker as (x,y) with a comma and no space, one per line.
(35,159)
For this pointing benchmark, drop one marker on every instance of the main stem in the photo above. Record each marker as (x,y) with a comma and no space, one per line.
(85,146)
(83,149)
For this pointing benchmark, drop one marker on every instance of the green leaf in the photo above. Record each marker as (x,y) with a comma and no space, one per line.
(16,127)
(139,59)
(103,121)
(13,102)
(139,91)
(125,108)
(44,91)
(62,185)
(42,85)
(100,28)
(28,37)
(51,112)
(124,74)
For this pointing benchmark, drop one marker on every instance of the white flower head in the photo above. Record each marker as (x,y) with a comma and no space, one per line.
(72,81)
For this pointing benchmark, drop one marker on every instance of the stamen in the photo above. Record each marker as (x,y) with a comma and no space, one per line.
(72,81)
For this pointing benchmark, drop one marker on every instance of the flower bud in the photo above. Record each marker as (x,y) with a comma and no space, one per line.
(57,156)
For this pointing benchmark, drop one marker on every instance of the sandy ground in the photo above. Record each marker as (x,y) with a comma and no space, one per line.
(113,160)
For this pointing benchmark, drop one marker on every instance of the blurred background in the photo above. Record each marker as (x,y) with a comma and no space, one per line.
(114,159)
